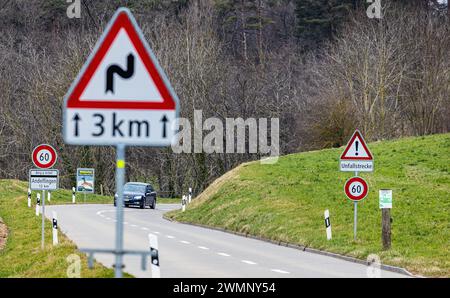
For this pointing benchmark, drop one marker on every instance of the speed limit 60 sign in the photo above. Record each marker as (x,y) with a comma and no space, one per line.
(356,188)
(44,156)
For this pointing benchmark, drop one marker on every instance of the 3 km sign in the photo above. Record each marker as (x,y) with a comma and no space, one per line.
(121,95)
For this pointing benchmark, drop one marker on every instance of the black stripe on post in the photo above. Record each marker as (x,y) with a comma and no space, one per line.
(154,256)
(327,222)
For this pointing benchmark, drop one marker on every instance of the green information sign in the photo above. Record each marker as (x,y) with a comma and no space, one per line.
(385,198)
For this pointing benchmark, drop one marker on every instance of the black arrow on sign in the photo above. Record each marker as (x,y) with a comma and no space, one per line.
(76,118)
(164,120)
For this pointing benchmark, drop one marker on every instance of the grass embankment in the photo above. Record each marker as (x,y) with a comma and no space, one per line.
(22,256)
(286,201)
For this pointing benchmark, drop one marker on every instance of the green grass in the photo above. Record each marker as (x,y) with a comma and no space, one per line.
(286,202)
(168,200)
(22,256)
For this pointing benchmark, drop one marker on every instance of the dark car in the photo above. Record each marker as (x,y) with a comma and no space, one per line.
(138,194)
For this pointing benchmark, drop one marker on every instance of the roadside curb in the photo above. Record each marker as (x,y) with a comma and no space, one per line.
(300,247)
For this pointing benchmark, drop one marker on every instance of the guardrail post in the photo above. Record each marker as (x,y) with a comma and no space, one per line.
(55,228)
(38,203)
(190,194)
(327,224)
(183,203)
(154,256)
(29,198)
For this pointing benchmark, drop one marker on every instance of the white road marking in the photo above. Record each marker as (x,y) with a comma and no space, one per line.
(279,271)
(156,232)
(125,222)
(203,247)
(170,237)
(248,262)
(185,242)
(223,254)
(134,226)
(144,228)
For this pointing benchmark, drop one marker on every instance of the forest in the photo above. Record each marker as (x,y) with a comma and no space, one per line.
(322,67)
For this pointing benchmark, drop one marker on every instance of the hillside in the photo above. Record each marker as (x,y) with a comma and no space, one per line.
(286,201)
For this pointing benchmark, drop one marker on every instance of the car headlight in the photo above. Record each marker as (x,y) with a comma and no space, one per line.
(137,197)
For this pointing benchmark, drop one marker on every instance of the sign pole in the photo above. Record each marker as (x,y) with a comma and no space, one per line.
(43,220)
(120,178)
(355,224)
(355,220)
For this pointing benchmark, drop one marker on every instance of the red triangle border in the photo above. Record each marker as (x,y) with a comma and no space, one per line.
(122,21)
(363,143)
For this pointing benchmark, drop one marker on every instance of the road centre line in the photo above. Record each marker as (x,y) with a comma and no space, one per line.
(248,262)
(279,271)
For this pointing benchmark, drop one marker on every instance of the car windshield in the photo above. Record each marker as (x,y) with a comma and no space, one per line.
(134,188)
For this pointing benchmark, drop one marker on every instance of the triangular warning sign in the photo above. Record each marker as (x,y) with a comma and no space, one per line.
(122,72)
(356,148)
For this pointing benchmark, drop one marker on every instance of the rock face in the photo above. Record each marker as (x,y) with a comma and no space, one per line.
(3,234)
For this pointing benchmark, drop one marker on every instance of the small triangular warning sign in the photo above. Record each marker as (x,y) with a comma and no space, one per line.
(356,148)
(122,72)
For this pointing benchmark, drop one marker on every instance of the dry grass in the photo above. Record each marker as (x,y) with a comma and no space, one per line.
(3,234)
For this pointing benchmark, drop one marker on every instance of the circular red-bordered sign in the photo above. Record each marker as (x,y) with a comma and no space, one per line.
(44,156)
(356,188)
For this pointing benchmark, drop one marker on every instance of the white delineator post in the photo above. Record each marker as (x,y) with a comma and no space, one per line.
(38,204)
(49,196)
(29,198)
(153,239)
(190,194)
(55,228)
(73,195)
(328,224)
(183,203)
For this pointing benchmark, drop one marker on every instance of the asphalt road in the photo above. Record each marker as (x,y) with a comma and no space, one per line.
(188,251)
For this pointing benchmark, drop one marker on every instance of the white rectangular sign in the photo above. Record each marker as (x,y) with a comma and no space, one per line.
(114,126)
(44,179)
(385,198)
(356,165)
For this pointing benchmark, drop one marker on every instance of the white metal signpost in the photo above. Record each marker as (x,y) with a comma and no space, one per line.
(44,157)
(356,158)
(121,97)
(44,179)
